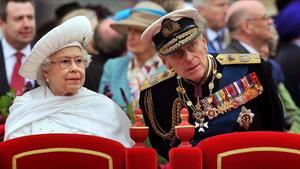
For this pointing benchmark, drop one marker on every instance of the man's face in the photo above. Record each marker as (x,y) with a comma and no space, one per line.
(214,13)
(260,25)
(189,61)
(19,28)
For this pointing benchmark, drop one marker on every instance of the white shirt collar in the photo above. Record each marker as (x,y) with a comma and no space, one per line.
(212,35)
(9,51)
(249,48)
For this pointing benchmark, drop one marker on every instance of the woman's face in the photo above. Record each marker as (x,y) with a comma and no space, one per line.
(66,73)
(134,43)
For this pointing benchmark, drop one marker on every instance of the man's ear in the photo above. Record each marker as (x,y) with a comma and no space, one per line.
(246,27)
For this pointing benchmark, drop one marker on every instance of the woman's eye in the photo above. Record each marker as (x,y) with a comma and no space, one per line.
(65,61)
(79,60)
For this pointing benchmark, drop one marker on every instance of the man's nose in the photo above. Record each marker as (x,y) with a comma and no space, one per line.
(27,22)
(188,57)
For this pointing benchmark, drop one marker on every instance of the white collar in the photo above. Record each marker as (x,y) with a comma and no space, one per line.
(249,48)
(212,35)
(9,51)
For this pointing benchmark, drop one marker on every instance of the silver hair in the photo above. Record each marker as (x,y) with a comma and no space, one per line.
(236,18)
(45,67)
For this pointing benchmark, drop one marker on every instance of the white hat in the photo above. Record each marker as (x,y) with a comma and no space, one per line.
(76,31)
(173,30)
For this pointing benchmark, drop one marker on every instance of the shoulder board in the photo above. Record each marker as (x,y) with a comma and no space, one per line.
(155,79)
(239,58)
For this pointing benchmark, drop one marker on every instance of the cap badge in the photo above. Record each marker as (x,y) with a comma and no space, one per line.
(169,26)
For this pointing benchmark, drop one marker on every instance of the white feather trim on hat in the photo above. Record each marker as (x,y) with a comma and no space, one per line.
(75,29)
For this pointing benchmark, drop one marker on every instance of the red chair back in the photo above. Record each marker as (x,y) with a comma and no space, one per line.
(67,151)
(249,150)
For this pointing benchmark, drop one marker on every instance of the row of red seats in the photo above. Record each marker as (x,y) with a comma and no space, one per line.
(241,150)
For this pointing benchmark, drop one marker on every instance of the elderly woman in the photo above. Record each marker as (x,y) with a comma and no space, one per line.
(61,104)
(122,75)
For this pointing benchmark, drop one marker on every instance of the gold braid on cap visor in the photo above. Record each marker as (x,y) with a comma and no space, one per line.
(179,41)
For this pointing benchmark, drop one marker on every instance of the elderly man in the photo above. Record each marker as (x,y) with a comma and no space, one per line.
(249,25)
(224,93)
(17,21)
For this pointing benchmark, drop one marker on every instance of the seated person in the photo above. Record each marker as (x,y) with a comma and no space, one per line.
(122,76)
(61,105)
(224,93)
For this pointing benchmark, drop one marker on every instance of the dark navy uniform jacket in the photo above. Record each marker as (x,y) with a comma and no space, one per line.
(267,108)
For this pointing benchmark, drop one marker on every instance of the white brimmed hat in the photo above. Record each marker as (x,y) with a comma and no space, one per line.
(173,30)
(76,31)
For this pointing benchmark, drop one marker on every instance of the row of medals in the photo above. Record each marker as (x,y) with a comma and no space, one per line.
(223,106)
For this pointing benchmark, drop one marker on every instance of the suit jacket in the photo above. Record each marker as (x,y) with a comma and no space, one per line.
(4,86)
(235,47)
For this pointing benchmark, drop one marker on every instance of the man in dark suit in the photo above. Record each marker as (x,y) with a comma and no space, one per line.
(17,21)
(224,93)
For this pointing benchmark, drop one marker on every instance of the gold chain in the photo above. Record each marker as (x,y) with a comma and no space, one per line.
(198,112)
(148,102)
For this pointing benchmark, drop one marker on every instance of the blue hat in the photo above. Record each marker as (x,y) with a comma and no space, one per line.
(287,22)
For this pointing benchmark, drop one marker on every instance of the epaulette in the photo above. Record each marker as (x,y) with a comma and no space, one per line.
(239,58)
(155,79)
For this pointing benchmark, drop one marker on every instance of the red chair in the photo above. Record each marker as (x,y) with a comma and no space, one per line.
(73,151)
(251,150)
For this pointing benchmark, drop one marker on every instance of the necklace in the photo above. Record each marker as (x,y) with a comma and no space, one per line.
(203,107)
